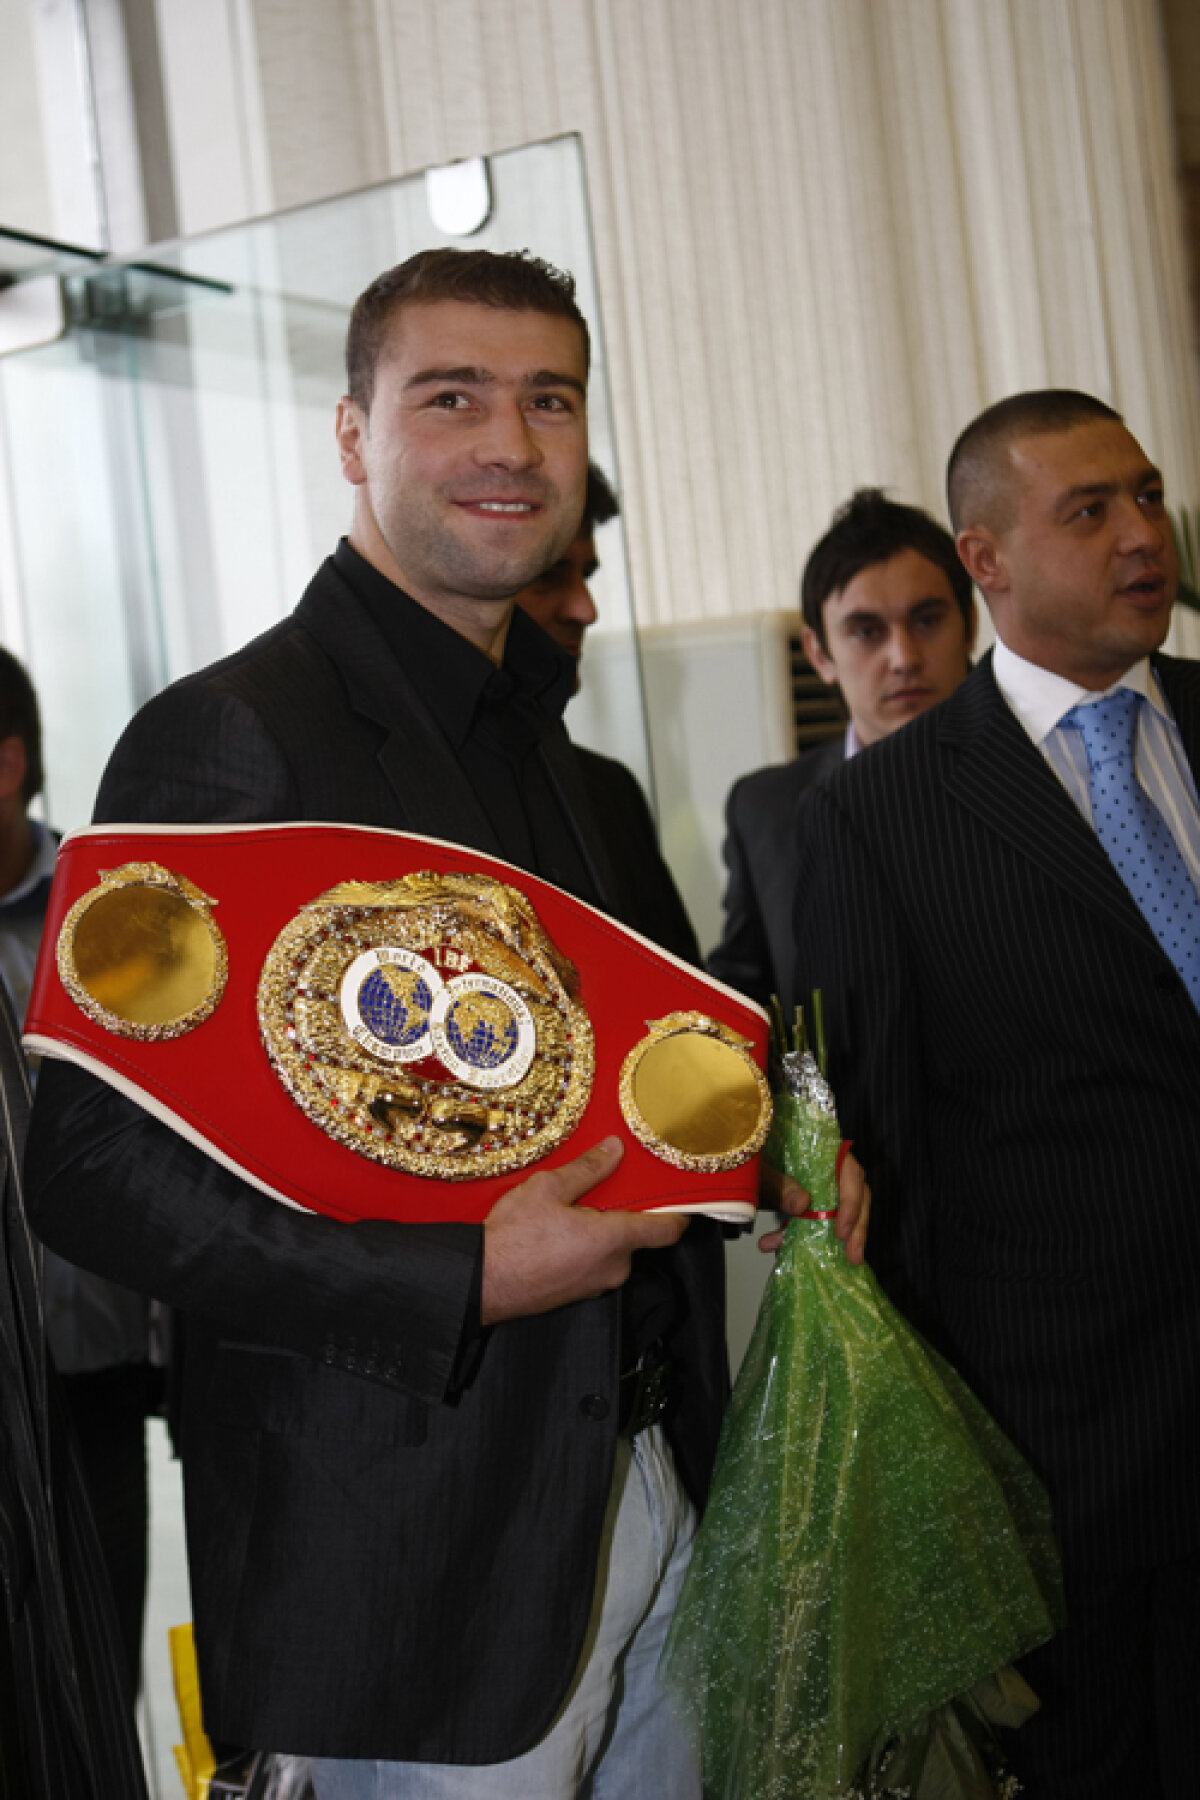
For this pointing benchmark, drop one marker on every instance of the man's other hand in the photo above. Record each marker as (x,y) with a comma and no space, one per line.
(541,1250)
(780,1193)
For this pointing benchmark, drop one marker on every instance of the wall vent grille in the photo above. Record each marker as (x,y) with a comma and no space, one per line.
(818,711)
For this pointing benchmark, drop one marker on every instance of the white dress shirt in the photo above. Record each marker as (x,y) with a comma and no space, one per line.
(1039,699)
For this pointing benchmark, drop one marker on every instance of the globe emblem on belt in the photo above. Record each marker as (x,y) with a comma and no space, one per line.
(483,1031)
(386,997)
(394,1004)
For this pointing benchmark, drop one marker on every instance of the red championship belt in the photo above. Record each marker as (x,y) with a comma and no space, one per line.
(376,1025)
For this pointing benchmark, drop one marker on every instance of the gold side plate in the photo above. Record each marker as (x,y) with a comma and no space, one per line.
(429,1023)
(142,955)
(693,1094)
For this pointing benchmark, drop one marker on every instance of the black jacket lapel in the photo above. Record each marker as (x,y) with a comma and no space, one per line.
(434,796)
(563,767)
(1181,685)
(822,761)
(994,769)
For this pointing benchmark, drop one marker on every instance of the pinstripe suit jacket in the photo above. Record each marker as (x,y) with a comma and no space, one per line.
(1019,1065)
(392,1551)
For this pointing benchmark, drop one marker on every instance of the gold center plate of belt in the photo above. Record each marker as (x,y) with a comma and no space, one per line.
(428,1023)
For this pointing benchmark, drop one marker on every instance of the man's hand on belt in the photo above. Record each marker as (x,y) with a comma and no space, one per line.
(541,1250)
(782,1194)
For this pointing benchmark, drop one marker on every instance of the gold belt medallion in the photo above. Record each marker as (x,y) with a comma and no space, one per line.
(429,1023)
(142,955)
(694,1095)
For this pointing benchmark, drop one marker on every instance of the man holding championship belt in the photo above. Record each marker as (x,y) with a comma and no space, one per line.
(441,1476)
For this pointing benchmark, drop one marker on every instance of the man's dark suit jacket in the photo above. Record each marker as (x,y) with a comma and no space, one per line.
(756,951)
(1018,1063)
(644,888)
(67,1730)
(387,1560)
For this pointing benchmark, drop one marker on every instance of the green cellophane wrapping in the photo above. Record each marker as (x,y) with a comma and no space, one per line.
(873,1545)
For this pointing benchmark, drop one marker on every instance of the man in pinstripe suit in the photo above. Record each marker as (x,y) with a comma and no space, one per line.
(1018,1059)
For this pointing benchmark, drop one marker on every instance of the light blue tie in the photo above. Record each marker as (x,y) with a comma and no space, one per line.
(1134,832)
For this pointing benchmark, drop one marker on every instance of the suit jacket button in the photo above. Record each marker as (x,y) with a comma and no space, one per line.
(594,1407)
(351,1363)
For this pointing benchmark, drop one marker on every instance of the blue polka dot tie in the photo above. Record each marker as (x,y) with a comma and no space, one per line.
(1134,832)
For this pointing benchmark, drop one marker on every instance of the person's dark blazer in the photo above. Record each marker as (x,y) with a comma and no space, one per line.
(643,887)
(756,951)
(1018,1063)
(67,1730)
(392,1551)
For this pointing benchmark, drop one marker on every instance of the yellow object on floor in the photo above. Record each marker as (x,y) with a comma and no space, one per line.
(195,1755)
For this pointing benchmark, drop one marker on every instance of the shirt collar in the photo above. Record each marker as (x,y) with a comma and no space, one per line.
(1039,697)
(40,870)
(456,679)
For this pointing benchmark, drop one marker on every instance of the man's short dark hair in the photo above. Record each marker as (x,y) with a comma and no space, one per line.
(510,281)
(19,717)
(977,489)
(871,529)
(600,503)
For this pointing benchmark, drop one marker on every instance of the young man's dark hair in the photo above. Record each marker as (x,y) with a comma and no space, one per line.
(19,717)
(600,503)
(973,494)
(511,281)
(870,529)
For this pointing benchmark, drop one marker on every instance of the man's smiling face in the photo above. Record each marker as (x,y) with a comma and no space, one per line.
(472,459)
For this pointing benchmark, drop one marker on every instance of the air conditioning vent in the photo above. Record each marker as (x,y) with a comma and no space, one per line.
(818,711)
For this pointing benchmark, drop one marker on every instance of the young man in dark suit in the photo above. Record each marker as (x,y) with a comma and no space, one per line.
(429,1545)
(1000,905)
(889,618)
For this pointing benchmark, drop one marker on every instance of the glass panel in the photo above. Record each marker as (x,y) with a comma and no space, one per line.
(174,474)
(25,256)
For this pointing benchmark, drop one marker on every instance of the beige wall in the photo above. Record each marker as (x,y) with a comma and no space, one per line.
(827,231)
(48,174)
(24,177)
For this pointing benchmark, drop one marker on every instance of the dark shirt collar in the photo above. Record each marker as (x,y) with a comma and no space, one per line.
(461,686)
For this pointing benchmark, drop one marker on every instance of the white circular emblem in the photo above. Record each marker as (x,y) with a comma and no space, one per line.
(386,996)
(483,1031)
